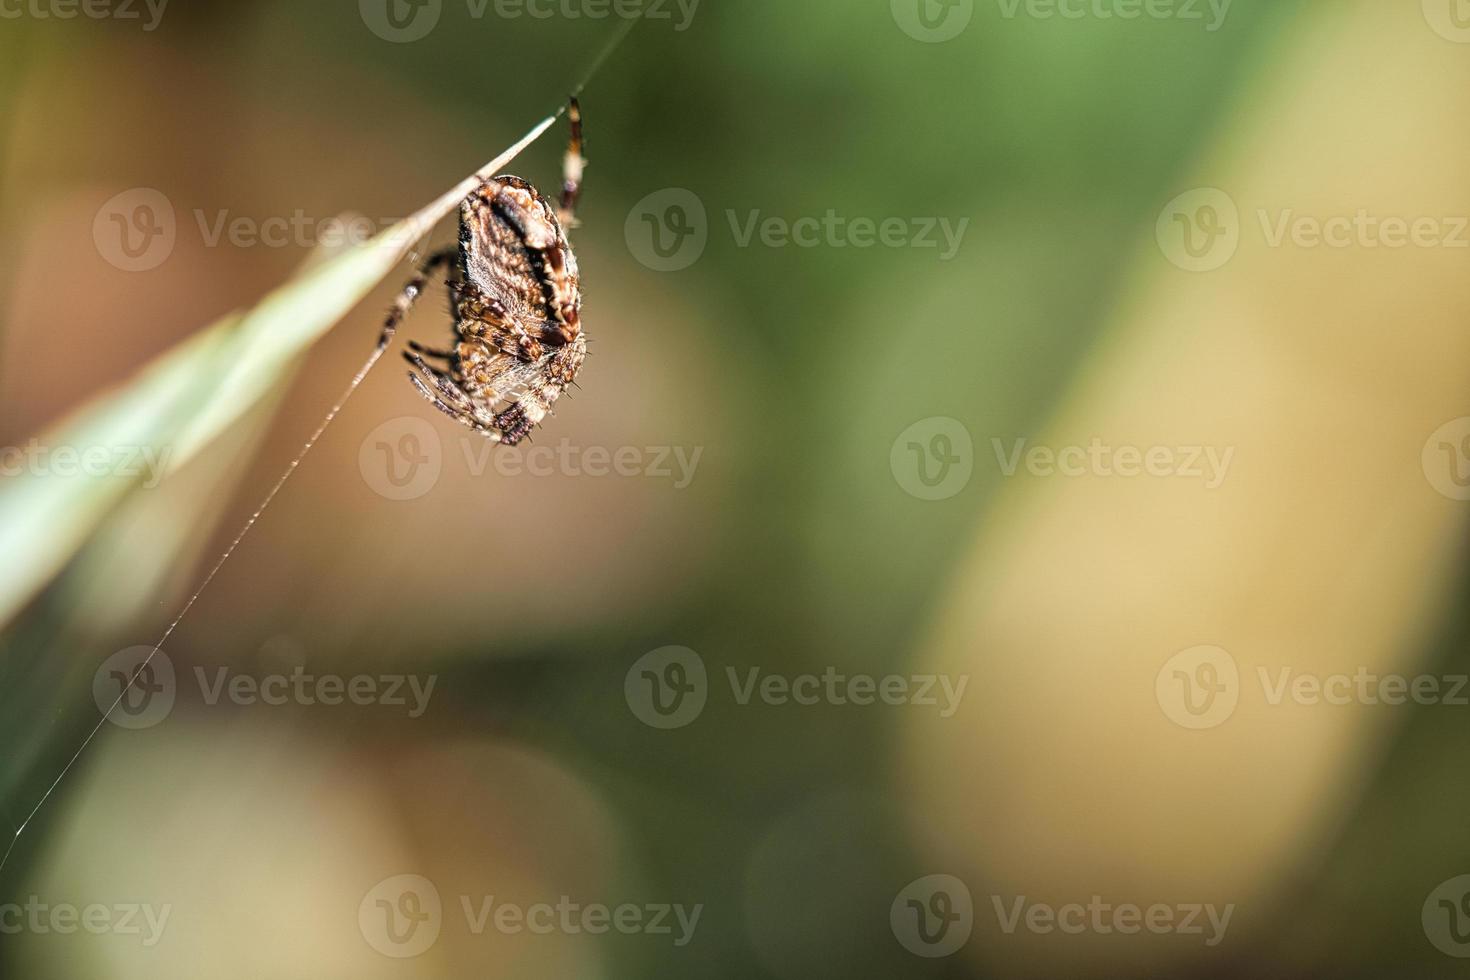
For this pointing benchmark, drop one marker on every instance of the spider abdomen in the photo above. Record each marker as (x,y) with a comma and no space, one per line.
(517,304)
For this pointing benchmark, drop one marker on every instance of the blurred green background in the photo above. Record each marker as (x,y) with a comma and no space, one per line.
(788,379)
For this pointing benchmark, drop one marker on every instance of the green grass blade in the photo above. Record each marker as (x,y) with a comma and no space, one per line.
(184,399)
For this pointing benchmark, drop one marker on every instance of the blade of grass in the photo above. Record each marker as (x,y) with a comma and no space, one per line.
(261,346)
(217,375)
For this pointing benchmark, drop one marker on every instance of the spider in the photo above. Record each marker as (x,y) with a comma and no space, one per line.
(516,299)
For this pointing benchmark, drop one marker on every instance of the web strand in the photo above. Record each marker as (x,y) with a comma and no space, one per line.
(379,350)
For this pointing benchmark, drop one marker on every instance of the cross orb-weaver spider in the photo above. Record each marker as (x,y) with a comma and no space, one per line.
(517,305)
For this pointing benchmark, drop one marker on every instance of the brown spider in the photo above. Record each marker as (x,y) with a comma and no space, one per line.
(517,305)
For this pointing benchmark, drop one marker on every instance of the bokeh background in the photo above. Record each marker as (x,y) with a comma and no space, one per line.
(819,476)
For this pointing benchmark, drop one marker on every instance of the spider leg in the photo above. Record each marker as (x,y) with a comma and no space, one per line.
(454,293)
(411,293)
(442,382)
(419,348)
(573,166)
(535,403)
(462,416)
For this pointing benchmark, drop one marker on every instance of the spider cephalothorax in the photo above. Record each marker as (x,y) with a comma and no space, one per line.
(517,305)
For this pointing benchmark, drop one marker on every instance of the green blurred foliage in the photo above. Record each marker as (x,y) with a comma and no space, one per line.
(1056,140)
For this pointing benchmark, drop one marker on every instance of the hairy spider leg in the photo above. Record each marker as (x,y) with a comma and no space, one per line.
(411,293)
(442,382)
(443,355)
(574,164)
(459,415)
